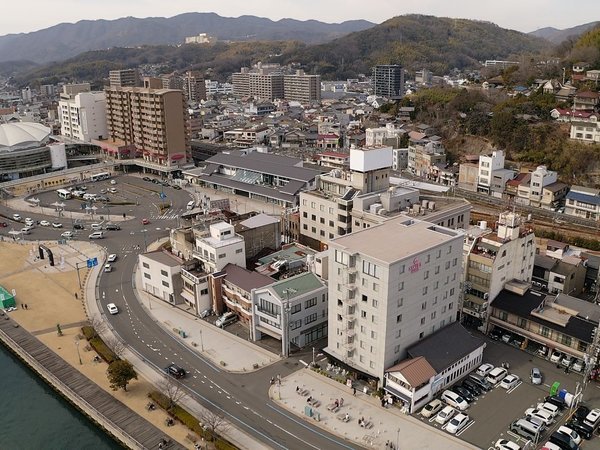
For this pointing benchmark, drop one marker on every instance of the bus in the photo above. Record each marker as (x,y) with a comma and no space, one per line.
(100,176)
(64,194)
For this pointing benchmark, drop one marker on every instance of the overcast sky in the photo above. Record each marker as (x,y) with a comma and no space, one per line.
(528,15)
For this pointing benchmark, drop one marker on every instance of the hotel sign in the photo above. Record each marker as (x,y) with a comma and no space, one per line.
(415,266)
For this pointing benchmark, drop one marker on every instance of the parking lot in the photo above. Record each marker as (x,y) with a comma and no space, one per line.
(491,414)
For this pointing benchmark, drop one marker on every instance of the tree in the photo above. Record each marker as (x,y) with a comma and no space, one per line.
(214,423)
(97,324)
(116,345)
(120,373)
(172,390)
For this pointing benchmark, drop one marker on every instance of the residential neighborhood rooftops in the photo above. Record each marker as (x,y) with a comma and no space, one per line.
(415,371)
(298,285)
(164,258)
(260,220)
(245,279)
(289,252)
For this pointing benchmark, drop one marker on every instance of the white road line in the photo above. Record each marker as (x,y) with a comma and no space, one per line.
(465,428)
(510,391)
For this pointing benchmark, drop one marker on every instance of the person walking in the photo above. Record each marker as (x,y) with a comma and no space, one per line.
(354,391)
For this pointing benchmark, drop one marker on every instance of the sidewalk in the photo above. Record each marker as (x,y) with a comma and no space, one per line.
(385,424)
(226,350)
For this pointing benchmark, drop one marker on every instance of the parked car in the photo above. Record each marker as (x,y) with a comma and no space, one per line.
(464,393)
(29,221)
(593,418)
(581,413)
(484,369)
(496,375)
(113,181)
(45,223)
(535,376)
(504,444)
(540,414)
(78,226)
(112,308)
(226,319)
(147,179)
(496,334)
(175,371)
(571,433)
(480,382)
(112,227)
(583,430)
(556,356)
(457,423)
(445,415)
(57,225)
(454,400)
(506,338)
(542,351)
(509,381)
(431,408)
(549,407)
(556,401)
(566,361)
(578,366)
(17,217)
(107,268)
(472,387)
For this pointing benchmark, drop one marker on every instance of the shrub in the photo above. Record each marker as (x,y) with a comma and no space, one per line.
(88,332)
(103,351)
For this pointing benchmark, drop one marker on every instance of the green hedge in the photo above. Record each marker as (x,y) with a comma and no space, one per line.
(189,421)
(98,344)
(88,332)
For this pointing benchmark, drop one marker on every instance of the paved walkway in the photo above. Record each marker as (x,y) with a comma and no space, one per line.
(230,352)
(385,425)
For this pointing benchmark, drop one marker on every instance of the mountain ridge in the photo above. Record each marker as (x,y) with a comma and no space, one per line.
(556,35)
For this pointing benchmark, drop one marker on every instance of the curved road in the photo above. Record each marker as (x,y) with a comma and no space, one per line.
(243,398)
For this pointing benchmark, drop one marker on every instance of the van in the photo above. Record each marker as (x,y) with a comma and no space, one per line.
(97,235)
(191,204)
(525,429)
(96,226)
(480,382)
(564,441)
(454,400)
(226,319)
(496,375)
(113,227)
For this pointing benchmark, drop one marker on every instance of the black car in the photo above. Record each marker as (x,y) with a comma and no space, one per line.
(582,429)
(581,413)
(155,181)
(147,179)
(175,371)
(177,188)
(464,393)
(113,227)
(472,387)
(556,401)
(78,226)
(496,334)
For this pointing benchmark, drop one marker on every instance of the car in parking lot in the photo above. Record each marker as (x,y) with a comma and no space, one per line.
(506,338)
(45,223)
(175,371)
(29,221)
(67,234)
(57,225)
(496,375)
(544,416)
(112,308)
(505,444)
(583,430)
(566,361)
(556,356)
(464,393)
(578,366)
(111,258)
(571,433)
(445,415)
(484,369)
(113,181)
(457,423)
(113,190)
(535,376)
(147,179)
(432,408)
(549,407)
(509,381)
(454,400)
(593,418)
(556,401)
(472,387)
(17,217)
(27,229)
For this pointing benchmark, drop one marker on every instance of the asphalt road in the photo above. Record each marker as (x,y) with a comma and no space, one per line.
(243,398)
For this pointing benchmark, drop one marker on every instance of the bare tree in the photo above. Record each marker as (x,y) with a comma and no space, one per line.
(116,345)
(214,423)
(172,390)
(97,324)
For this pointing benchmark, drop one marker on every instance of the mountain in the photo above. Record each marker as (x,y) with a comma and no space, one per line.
(557,36)
(416,41)
(69,39)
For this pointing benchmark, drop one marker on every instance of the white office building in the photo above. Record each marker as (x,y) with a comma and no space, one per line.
(83,116)
(220,247)
(390,286)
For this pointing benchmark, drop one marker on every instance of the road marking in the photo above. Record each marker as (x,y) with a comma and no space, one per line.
(510,391)
(465,428)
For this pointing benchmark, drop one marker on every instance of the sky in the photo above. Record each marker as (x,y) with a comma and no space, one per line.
(526,16)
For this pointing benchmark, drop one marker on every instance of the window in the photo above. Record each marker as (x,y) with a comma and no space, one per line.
(401,269)
(146,265)
(401,285)
(239,250)
(421,334)
(147,275)
(426,276)
(295,324)
(364,298)
(422,320)
(310,303)
(165,284)
(310,319)
(222,255)
(322,220)
(204,292)
(433,314)
(424,306)
(399,318)
(425,290)
(341,257)
(396,349)
(305,215)
(363,314)
(399,333)
(313,217)
(313,229)
(375,287)
(450,305)
(427,258)
(296,308)
(375,303)
(400,302)
(331,224)
(373,319)
(304,226)
(437,269)
(370,269)
(373,335)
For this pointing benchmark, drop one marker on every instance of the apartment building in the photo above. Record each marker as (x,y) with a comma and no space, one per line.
(124,78)
(540,178)
(82,115)
(388,81)
(491,259)
(390,286)
(302,87)
(422,157)
(194,87)
(265,83)
(583,202)
(160,273)
(148,123)
(219,247)
(586,127)
(293,310)
(492,176)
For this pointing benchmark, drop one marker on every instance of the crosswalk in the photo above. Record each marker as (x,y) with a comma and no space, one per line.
(169,214)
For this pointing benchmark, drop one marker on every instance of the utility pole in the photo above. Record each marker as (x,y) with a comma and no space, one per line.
(590,359)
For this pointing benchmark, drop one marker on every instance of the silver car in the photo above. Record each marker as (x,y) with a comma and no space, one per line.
(535,376)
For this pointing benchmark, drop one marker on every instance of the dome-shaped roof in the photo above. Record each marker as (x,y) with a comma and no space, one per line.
(20,133)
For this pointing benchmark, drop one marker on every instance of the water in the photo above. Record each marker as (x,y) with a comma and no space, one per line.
(34,417)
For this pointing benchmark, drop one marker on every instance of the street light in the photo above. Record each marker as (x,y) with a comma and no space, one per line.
(201,342)
(78,354)
(397,440)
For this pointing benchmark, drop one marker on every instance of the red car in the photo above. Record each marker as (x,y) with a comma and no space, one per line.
(3,224)
(145,221)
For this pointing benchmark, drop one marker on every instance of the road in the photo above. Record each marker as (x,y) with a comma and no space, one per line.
(242,398)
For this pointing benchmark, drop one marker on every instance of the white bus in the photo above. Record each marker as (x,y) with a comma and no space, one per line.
(100,176)
(64,194)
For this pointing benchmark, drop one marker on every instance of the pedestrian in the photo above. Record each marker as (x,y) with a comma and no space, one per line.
(341,402)
(25,305)
(22,306)
(354,391)
(76,296)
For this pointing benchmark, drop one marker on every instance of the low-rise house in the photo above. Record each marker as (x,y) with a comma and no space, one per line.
(160,274)
(583,202)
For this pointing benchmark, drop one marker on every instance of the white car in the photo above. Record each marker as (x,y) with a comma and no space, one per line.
(504,444)
(107,268)
(445,415)
(111,258)
(509,381)
(67,234)
(45,223)
(556,356)
(571,433)
(113,190)
(578,366)
(544,416)
(457,423)
(17,217)
(29,221)
(484,369)
(56,225)
(535,376)
(112,308)
(113,181)
(593,418)
(549,407)
(432,408)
